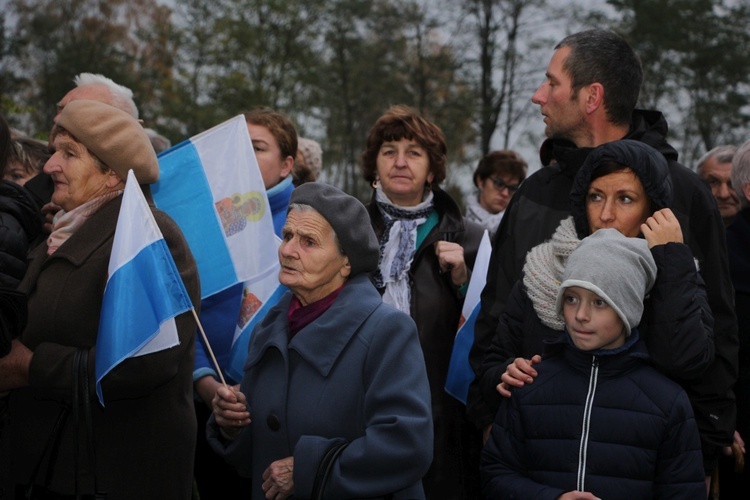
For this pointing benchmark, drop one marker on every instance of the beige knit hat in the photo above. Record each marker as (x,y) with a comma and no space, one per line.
(115,137)
(312,153)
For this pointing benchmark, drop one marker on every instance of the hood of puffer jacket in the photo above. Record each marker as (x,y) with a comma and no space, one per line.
(648,164)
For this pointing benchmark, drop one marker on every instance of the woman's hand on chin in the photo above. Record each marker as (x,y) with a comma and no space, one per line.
(662,228)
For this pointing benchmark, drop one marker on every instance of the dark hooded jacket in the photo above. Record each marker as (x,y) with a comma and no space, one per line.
(543,201)
(677,324)
(20,225)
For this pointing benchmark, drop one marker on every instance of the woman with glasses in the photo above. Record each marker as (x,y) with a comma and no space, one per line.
(497,178)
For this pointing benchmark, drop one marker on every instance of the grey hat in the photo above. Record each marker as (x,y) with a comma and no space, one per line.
(620,270)
(349,219)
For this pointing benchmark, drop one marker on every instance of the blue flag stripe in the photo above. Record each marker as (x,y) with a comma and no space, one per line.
(460,374)
(198,220)
(139,297)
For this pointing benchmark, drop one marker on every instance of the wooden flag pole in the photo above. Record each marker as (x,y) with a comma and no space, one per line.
(208,346)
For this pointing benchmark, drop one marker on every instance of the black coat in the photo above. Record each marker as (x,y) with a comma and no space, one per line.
(543,201)
(20,226)
(738,245)
(436,309)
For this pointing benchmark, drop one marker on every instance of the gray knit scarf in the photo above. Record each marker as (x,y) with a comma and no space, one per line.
(543,271)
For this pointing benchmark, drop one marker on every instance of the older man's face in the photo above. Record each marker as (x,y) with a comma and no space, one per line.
(311,264)
(718,176)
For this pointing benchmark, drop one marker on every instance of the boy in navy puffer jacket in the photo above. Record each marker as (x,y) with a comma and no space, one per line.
(598,421)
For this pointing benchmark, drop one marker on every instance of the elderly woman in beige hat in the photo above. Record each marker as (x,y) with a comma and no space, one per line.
(58,441)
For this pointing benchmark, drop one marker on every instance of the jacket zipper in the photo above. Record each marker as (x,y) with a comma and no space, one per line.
(583,447)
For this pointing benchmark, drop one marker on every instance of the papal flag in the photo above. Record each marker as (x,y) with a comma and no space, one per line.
(212,187)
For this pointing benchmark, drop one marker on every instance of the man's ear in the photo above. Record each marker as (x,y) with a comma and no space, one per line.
(593,96)
(746,192)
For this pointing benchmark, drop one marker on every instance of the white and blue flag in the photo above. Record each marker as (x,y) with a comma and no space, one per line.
(212,187)
(460,373)
(144,289)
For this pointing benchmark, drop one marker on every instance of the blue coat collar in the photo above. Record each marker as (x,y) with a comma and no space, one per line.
(321,342)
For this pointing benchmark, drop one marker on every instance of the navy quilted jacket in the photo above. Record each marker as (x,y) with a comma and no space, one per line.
(605,422)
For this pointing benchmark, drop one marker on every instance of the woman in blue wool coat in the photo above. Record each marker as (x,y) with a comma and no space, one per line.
(331,364)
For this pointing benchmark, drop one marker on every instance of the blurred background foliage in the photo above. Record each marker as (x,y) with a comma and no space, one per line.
(334,66)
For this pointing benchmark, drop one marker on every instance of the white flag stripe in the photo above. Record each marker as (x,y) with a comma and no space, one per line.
(478,275)
(132,237)
(228,147)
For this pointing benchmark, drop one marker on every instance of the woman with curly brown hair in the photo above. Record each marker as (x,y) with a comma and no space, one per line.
(426,252)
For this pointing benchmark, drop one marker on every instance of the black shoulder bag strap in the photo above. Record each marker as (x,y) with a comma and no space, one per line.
(81,397)
(53,447)
(324,469)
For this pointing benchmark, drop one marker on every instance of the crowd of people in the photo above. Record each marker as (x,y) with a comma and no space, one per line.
(611,352)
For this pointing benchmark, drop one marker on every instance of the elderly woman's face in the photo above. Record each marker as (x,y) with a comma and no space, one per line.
(403,168)
(311,264)
(75,173)
(273,167)
(617,200)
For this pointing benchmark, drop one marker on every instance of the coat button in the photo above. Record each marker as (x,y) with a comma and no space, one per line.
(273,422)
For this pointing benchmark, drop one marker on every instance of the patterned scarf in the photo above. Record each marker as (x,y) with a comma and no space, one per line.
(543,270)
(67,223)
(397,248)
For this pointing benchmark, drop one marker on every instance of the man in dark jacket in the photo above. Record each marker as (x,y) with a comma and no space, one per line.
(588,98)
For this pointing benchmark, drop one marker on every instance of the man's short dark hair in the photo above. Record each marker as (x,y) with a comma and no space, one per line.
(605,57)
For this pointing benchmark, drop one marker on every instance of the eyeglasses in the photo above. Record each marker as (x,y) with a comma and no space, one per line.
(501,184)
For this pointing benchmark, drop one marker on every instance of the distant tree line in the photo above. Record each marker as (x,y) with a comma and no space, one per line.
(334,66)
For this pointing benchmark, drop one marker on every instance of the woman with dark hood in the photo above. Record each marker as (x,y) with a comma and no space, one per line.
(623,185)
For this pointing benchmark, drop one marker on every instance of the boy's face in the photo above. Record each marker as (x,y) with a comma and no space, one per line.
(592,323)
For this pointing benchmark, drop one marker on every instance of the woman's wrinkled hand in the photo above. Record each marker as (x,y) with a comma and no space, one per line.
(278,479)
(230,409)
(519,373)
